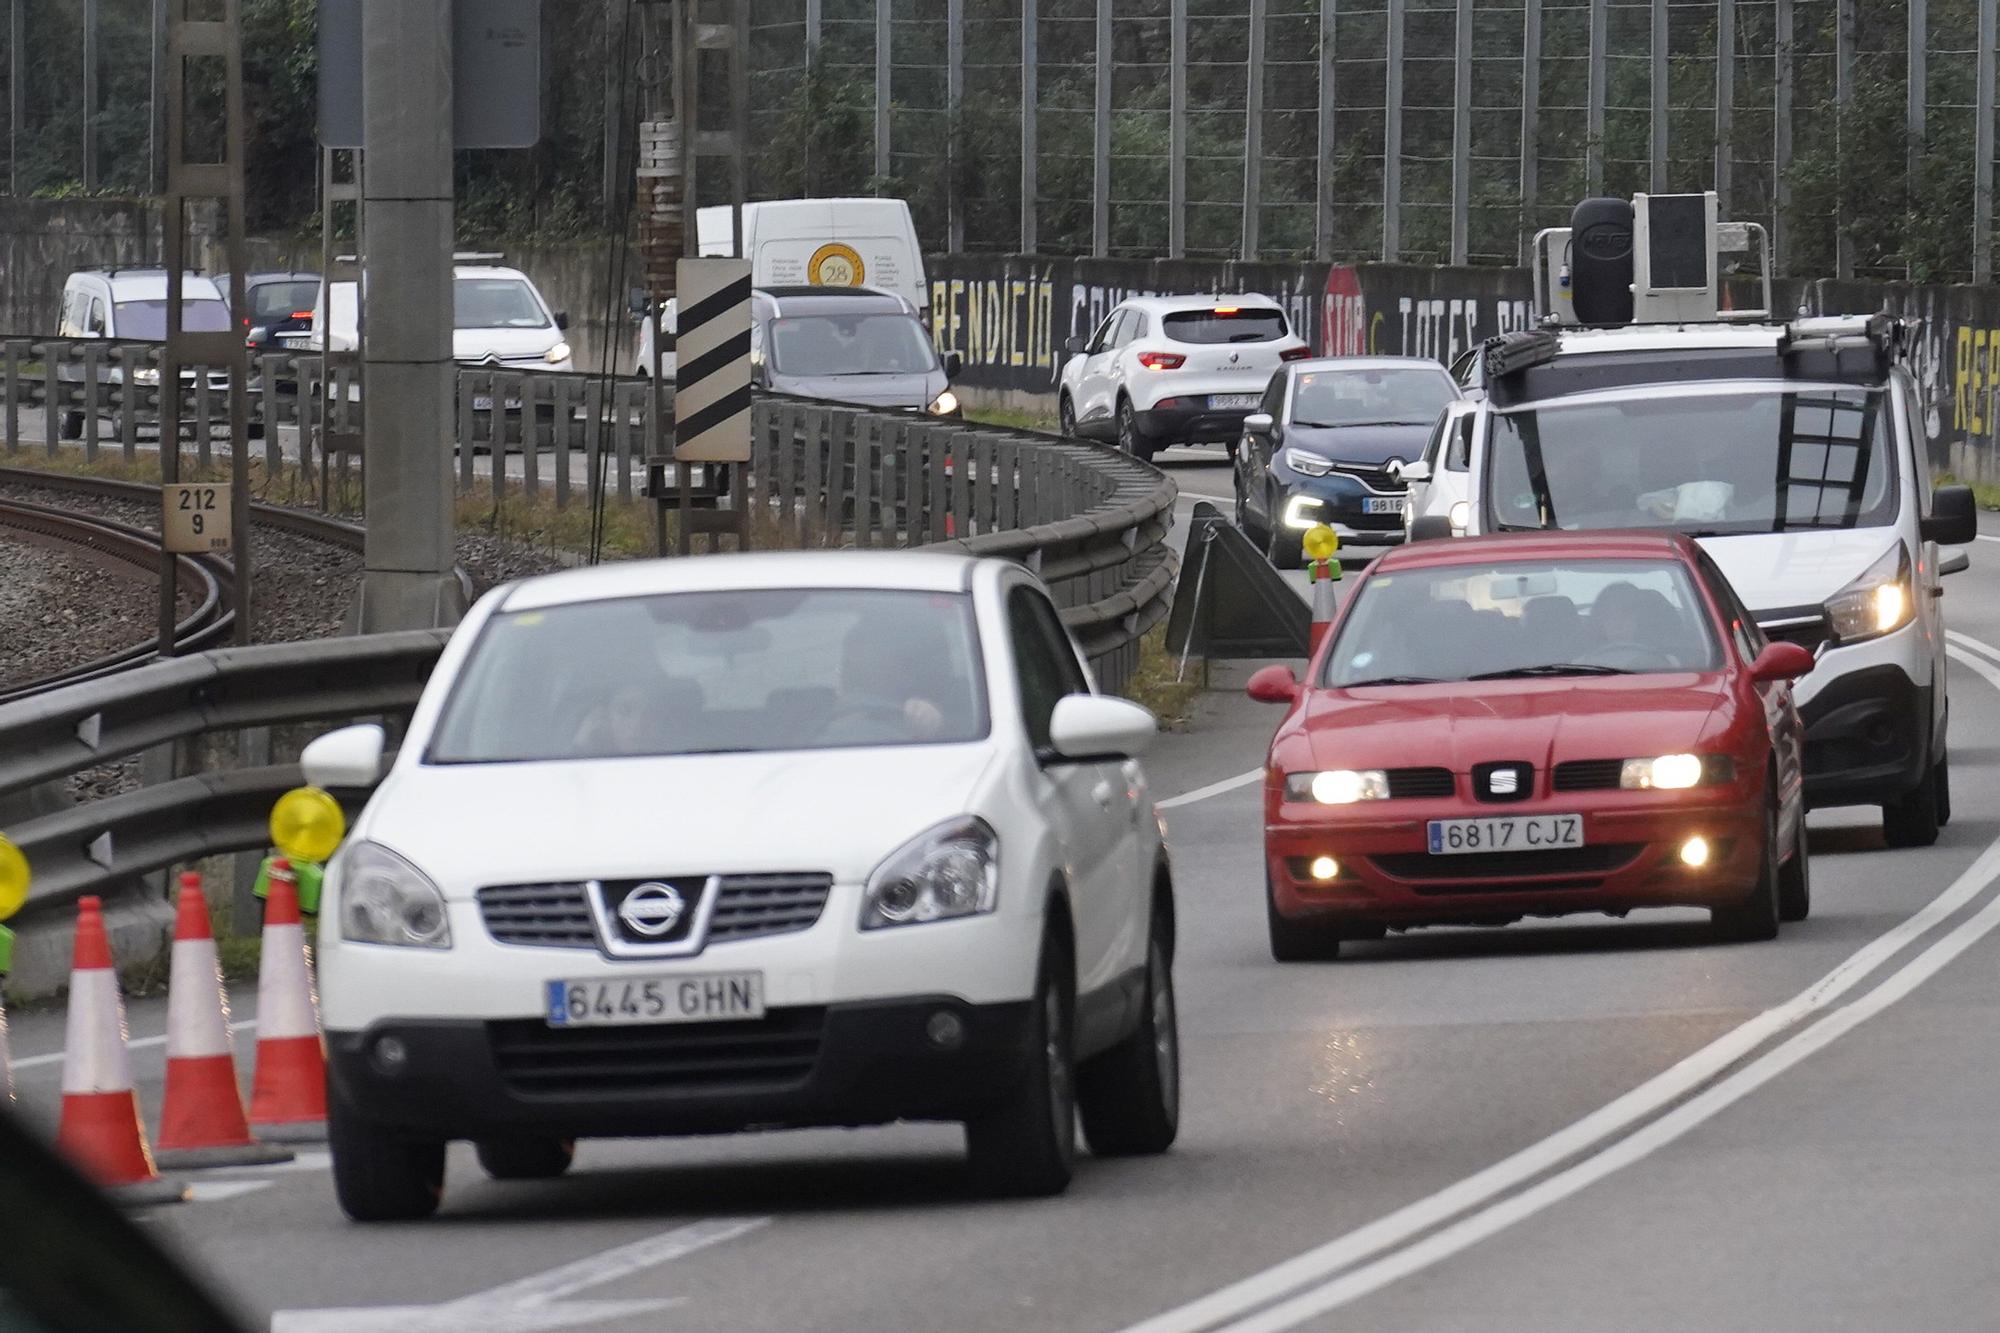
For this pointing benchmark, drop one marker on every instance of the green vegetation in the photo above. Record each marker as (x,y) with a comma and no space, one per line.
(1010,419)
(1156,684)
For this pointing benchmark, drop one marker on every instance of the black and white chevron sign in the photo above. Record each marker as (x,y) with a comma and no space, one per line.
(712,355)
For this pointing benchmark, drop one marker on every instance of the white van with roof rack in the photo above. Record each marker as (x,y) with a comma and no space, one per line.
(130,305)
(1793,452)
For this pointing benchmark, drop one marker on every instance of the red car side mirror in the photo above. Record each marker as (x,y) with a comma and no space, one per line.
(1273,685)
(1778,661)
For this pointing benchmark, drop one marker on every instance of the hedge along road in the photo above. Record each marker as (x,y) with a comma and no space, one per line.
(1783,1135)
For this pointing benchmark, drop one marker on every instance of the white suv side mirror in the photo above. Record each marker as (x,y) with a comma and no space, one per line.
(350,757)
(1094,726)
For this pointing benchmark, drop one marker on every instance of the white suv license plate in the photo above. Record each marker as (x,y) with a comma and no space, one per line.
(1521,833)
(1234,402)
(615,1001)
(1382,504)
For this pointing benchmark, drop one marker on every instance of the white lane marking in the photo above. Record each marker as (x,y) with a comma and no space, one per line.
(1212,789)
(1956,640)
(1634,1147)
(537,1302)
(1230,500)
(1983,537)
(1476,1191)
(216,1191)
(55,1057)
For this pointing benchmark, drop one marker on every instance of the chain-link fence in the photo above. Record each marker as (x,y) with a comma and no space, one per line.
(1428,131)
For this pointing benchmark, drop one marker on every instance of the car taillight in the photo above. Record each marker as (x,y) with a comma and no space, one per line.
(1161,360)
(1295,354)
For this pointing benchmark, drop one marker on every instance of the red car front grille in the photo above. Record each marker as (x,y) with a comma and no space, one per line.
(1602,859)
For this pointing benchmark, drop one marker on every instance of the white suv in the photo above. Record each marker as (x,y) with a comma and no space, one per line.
(1164,370)
(695,846)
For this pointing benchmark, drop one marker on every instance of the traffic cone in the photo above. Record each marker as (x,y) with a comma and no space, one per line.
(1322,608)
(201,1116)
(100,1129)
(288,1093)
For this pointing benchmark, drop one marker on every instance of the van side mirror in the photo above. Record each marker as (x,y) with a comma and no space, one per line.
(953,363)
(1955,563)
(1273,685)
(562,319)
(1954,517)
(1781,661)
(1415,472)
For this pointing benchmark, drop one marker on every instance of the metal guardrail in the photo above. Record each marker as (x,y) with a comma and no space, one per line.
(1091,521)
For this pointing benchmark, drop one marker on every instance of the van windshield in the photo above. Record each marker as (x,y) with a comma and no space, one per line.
(1732,461)
(146,321)
(850,345)
(496,303)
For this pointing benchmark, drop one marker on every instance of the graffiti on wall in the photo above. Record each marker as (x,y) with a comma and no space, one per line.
(1399,318)
(998,324)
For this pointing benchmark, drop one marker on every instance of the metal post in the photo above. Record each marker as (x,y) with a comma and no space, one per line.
(1323,200)
(17,93)
(1658,152)
(1725,101)
(156,130)
(1177,128)
(1030,108)
(1593,112)
(1919,92)
(812,32)
(1461,133)
(1253,131)
(1531,118)
(1392,139)
(1982,167)
(739,128)
(882,82)
(1781,131)
(954,95)
(406,290)
(614,109)
(90,23)
(1843,98)
(1100,145)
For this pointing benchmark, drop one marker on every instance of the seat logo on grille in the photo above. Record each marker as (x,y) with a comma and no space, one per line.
(653,909)
(1501,782)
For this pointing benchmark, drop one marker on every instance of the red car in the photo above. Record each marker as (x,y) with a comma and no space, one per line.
(1534,725)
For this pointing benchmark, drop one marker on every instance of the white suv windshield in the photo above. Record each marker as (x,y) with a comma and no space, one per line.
(496,303)
(850,345)
(1492,622)
(718,673)
(1731,461)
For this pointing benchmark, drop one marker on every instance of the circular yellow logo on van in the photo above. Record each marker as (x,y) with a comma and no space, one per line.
(836,265)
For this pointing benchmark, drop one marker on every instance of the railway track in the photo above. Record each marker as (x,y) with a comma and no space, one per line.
(122,550)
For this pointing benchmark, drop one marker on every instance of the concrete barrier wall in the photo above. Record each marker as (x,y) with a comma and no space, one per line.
(1008,316)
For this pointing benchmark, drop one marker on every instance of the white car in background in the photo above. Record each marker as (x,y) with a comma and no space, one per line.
(1164,370)
(1439,483)
(499,319)
(696,846)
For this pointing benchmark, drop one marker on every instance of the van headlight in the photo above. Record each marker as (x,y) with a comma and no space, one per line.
(949,870)
(556,355)
(147,375)
(1877,602)
(1460,514)
(386,900)
(944,405)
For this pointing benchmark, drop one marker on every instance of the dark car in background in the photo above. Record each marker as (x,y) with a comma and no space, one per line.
(1327,444)
(274,304)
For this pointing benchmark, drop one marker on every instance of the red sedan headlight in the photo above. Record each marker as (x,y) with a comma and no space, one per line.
(1676,772)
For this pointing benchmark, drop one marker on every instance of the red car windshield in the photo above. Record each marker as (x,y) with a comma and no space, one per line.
(1521,620)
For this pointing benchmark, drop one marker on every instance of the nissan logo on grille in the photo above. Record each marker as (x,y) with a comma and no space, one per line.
(652,909)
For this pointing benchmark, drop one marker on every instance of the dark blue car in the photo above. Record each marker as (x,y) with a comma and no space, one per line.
(1327,445)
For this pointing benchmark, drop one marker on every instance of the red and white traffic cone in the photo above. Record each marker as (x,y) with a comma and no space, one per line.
(201,1116)
(100,1130)
(950,519)
(1322,605)
(288,1093)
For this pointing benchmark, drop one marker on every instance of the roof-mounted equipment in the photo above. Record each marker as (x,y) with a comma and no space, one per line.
(1656,260)
(1847,344)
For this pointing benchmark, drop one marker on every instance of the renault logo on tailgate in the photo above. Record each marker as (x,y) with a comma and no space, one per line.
(652,909)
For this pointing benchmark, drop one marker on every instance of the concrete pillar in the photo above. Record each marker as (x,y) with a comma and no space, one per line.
(407,369)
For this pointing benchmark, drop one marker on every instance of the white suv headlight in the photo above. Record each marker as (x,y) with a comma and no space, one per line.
(386,900)
(949,870)
(1876,602)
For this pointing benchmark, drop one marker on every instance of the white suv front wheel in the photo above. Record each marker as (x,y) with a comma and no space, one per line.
(1025,1144)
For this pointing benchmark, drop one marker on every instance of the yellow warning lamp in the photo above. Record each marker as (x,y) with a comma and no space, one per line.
(307,825)
(13,879)
(1321,542)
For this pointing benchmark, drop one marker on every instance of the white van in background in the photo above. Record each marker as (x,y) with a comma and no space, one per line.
(859,242)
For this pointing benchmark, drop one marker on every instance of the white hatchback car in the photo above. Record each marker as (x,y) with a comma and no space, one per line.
(695,846)
(1164,370)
